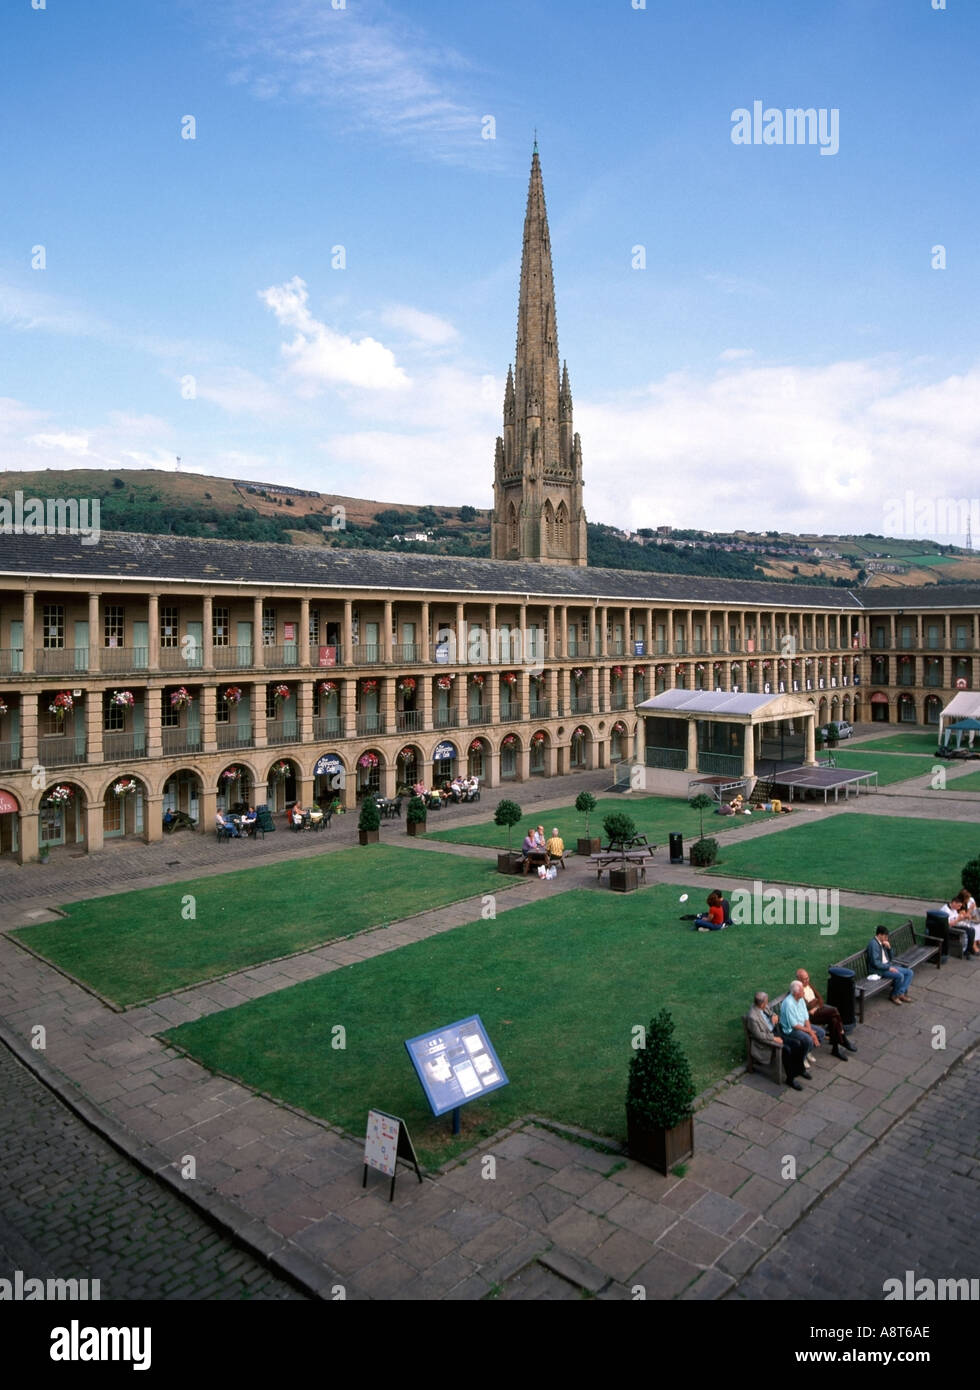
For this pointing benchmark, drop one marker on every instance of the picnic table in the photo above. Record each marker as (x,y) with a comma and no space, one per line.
(637,851)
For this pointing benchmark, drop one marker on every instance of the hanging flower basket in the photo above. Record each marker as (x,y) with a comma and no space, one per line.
(767,665)
(537,740)
(476,746)
(640,672)
(699,666)
(61,705)
(407,685)
(619,727)
(124,788)
(59,796)
(3,707)
(580,732)
(577,673)
(445,682)
(280,692)
(123,697)
(661,670)
(407,755)
(368,760)
(181,698)
(508,741)
(328,687)
(280,770)
(368,686)
(617,671)
(478,680)
(537,677)
(231,774)
(233,695)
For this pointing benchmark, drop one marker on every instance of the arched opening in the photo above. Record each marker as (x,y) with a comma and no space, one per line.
(408,770)
(182,798)
(933,709)
(476,758)
(329,779)
(510,747)
(369,773)
(9,823)
(235,790)
(538,760)
(62,815)
(619,741)
(124,808)
(445,757)
(282,783)
(578,755)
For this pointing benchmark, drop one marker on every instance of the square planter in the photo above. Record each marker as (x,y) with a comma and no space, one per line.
(369,837)
(509,863)
(625,880)
(415,827)
(586,847)
(660,1148)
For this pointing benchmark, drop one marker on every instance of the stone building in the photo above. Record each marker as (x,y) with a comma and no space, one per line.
(150,673)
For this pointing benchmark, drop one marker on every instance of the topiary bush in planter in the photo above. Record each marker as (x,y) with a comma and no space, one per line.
(507,814)
(585,804)
(416,816)
(659,1094)
(620,828)
(970,878)
(704,852)
(369,822)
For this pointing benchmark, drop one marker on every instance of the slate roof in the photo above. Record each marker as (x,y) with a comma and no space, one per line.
(191,559)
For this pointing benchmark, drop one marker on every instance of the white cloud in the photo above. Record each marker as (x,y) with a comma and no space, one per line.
(76,444)
(323,356)
(427,329)
(735,354)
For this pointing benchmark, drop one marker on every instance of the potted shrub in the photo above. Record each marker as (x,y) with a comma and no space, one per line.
(585,804)
(508,813)
(659,1119)
(970,878)
(620,833)
(369,823)
(703,852)
(415,816)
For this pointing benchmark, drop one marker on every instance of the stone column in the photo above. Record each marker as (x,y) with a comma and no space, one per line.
(208,804)
(303,652)
(692,746)
(304,715)
(810,758)
(554,692)
(93,726)
(564,632)
(423,643)
(425,686)
(258,651)
(387,703)
(605,690)
(153,714)
(592,676)
(493,680)
(524,763)
(259,733)
(462,654)
(28,661)
(94,643)
(493,637)
(153,633)
(524,694)
(28,729)
(348,710)
(209,725)
(94,826)
(491,762)
(748,756)
(551,645)
(153,818)
(29,837)
(347,654)
(207,632)
(386,652)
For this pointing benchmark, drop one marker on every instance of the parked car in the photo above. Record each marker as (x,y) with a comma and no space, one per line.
(844,730)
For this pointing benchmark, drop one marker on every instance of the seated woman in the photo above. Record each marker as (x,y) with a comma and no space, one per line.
(714,919)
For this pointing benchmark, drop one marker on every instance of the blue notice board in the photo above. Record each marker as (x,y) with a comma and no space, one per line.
(456,1064)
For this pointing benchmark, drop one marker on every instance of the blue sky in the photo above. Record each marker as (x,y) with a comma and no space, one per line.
(781,353)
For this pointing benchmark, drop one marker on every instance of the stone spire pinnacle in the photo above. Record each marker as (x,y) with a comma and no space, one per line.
(538,511)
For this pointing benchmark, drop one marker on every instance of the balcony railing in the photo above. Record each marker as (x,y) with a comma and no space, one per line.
(408,652)
(725,764)
(234,658)
(478,714)
(11,661)
(282,730)
(189,658)
(10,754)
(367,654)
(617,702)
(328,726)
(181,741)
(449,719)
(114,659)
(538,709)
(674,758)
(61,661)
(60,750)
(408,721)
(116,746)
(235,736)
(281,654)
(510,712)
(371,724)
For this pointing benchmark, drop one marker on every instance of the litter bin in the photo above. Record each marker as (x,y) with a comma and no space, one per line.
(840,993)
(676,848)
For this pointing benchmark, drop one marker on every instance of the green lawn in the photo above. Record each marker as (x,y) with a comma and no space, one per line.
(869,854)
(135,946)
(560,986)
(897,743)
(890,767)
(655,817)
(969,783)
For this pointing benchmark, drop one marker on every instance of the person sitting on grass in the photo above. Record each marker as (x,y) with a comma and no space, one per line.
(714,918)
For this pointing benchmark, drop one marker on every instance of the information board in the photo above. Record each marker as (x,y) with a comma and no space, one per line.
(455,1064)
(381,1142)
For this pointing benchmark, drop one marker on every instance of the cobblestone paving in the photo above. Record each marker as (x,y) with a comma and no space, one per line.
(909,1204)
(72,1207)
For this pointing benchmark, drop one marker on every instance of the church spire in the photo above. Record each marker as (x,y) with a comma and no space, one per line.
(538,511)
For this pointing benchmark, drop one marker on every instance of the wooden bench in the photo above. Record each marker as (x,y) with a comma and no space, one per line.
(636,859)
(907,949)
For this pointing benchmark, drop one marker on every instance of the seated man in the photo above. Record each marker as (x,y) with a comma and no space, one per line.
(825,1014)
(556,847)
(168,818)
(881,963)
(794,1021)
(764,1036)
(223,822)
